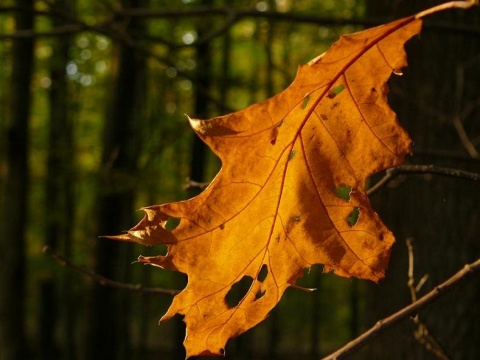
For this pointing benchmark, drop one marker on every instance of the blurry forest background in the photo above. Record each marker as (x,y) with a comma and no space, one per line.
(92,127)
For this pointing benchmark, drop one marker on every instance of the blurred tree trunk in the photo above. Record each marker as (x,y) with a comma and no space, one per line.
(108,327)
(55,310)
(198,159)
(441,215)
(14,212)
(201,89)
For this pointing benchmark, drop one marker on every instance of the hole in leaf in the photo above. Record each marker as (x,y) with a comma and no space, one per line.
(335,91)
(172,223)
(353,217)
(343,191)
(262,275)
(292,155)
(161,249)
(305,101)
(259,294)
(238,291)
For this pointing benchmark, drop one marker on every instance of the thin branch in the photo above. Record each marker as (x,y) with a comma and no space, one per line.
(457,121)
(57,31)
(464,4)
(466,142)
(195,185)
(422,169)
(102,280)
(238,14)
(235,15)
(295,17)
(422,334)
(462,115)
(406,312)
(411,278)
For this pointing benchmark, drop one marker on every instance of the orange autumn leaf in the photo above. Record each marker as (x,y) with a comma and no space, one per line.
(273,203)
(291,190)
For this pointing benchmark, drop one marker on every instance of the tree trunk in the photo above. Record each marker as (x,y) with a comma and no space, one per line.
(14,211)
(198,159)
(441,215)
(203,85)
(108,328)
(55,296)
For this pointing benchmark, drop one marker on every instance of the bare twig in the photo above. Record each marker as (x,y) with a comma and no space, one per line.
(466,142)
(422,333)
(411,278)
(232,16)
(464,4)
(407,311)
(58,31)
(422,169)
(195,185)
(458,119)
(102,280)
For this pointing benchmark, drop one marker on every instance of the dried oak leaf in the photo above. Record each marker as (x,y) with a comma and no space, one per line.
(291,190)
